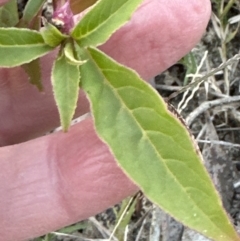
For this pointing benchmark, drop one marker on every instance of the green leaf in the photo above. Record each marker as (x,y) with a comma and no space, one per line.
(73,228)
(102,20)
(34,73)
(65,81)
(31,10)
(123,217)
(20,46)
(153,147)
(70,55)
(9,14)
(189,62)
(51,35)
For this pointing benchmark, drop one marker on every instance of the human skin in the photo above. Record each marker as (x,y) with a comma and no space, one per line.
(52,181)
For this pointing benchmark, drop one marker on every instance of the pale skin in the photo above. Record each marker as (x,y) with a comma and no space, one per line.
(53,181)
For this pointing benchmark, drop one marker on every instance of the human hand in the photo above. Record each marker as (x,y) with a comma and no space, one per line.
(55,180)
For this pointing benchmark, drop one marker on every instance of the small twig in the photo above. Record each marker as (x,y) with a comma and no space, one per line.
(130,202)
(185,100)
(155,231)
(126,233)
(236,184)
(218,94)
(167,87)
(204,78)
(104,232)
(209,104)
(74,237)
(222,143)
(229,129)
(140,230)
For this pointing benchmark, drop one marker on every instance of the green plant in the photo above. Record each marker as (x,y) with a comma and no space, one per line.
(130,117)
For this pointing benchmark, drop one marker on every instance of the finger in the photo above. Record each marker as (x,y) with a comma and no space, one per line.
(159,34)
(25,112)
(2,2)
(163,33)
(53,181)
